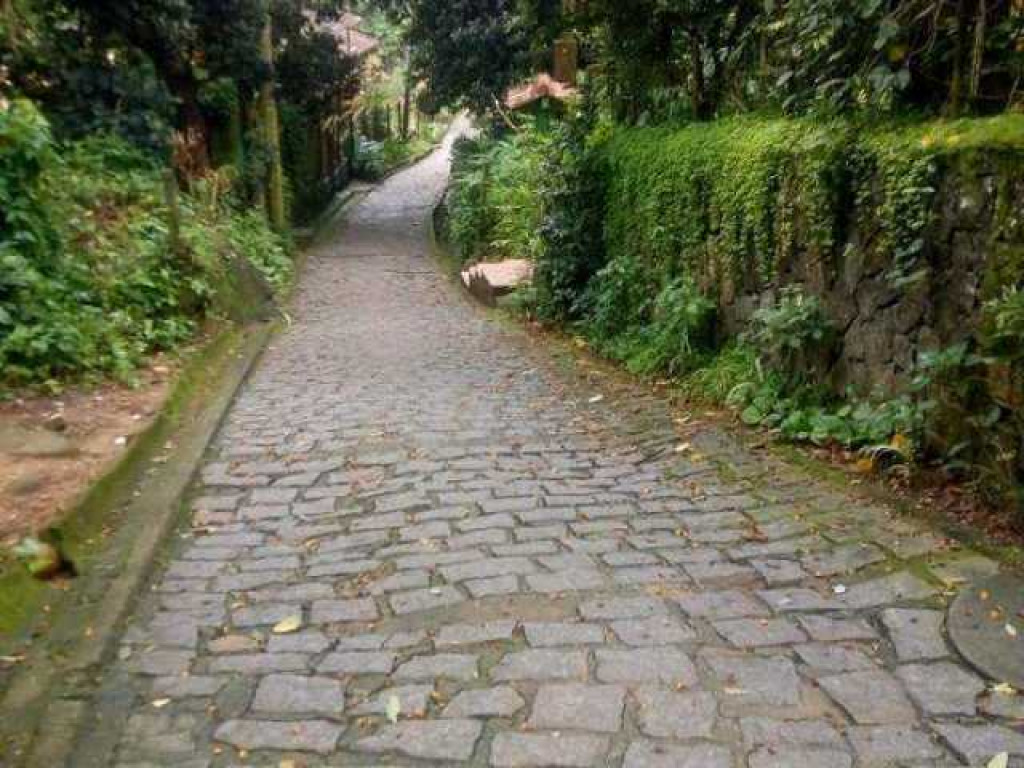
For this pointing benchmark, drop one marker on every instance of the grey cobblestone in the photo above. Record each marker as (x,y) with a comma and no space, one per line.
(485,567)
(548,750)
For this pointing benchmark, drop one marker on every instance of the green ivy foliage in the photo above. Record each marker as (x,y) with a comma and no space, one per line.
(648,231)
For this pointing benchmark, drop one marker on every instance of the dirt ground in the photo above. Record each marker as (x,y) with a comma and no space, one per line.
(53,448)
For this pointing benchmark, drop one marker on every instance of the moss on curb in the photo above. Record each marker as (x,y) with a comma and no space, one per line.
(85,529)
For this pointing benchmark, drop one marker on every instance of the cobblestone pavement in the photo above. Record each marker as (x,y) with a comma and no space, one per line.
(490,562)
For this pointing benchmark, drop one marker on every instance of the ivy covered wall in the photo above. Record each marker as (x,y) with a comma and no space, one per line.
(902,233)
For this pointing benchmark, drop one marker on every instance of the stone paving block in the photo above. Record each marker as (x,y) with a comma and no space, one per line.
(310,641)
(483,569)
(403,580)
(264,614)
(942,688)
(486,537)
(541,665)
(535,532)
(296,593)
(357,663)
(649,574)
(499,585)
(977,744)
(759,731)
(526,549)
(1006,705)
(760,681)
(188,686)
(886,745)
(299,695)
(897,588)
(605,608)
(566,581)
(668,666)
(828,629)
(541,635)
(722,605)
(502,701)
(915,634)
(571,561)
(336,611)
(471,634)
(652,754)
(233,644)
(805,757)
(449,740)
(575,706)
(418,600)
(413,701)
(653,630)
(797,599)
(454,666)
(870,697)
(260,663)
(317,736)
(841,560)
(665,714)
(548,750)
(755,633)
(831,657)
(160,662)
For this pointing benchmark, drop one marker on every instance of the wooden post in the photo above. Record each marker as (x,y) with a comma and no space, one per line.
(9,21)
(271,130)
(236,136)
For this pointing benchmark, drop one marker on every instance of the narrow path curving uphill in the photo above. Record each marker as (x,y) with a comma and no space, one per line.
(420,539)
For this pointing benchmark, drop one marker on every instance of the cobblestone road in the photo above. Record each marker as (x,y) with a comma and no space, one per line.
(490,563)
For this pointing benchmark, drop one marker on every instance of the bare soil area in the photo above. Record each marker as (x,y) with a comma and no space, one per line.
(53,448)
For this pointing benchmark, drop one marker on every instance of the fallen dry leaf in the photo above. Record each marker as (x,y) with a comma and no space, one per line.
(287,626)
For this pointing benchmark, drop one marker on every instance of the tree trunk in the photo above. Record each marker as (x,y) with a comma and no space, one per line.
(194,129)
(960,57)
(9,21)
(271,131)
(978,51)
(406,107)
(698,95)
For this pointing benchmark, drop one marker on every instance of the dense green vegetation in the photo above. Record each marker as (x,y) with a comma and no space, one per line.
(92,279)
(657,59)
(726,168)
(149,151)
(689,218)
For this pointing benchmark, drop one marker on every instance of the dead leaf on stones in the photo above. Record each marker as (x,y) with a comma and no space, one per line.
(999,761)
(287,626)
(393,709)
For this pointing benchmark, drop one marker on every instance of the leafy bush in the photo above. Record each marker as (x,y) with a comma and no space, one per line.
(90,282)
(495,207)
(573,196)
(792,336)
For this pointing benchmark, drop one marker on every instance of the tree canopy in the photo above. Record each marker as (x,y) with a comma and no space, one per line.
(704,58)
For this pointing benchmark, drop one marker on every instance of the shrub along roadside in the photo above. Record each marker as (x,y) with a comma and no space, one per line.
(91,281)
(496,211)
(671,249)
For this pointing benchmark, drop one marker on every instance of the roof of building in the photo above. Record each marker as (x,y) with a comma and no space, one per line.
(542,86)
(345,29)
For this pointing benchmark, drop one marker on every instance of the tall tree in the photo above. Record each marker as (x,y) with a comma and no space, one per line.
(189,42)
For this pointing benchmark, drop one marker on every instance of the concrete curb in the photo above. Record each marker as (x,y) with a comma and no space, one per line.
(48,699)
